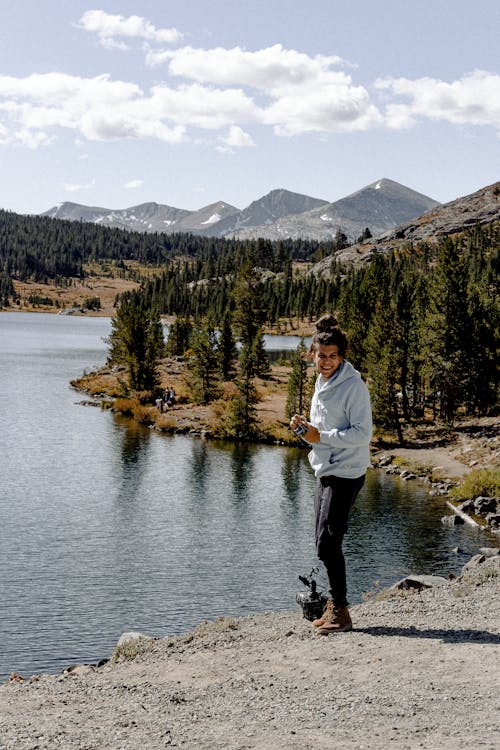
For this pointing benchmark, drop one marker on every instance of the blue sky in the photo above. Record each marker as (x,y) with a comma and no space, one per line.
(189,102)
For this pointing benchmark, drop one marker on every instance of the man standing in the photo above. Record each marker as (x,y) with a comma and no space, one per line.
(339,433)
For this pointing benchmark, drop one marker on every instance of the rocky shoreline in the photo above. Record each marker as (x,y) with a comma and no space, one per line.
(480,511)
(420,669)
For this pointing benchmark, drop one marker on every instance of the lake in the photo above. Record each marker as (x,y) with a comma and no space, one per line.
(107,526)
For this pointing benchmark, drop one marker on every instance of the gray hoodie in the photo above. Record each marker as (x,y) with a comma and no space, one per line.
(341,411)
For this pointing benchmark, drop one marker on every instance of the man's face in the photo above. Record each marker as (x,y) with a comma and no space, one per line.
(327,359)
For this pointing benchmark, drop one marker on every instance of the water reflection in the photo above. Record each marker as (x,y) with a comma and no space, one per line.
(133,444)
(291,472)
(198,463)
(242,463)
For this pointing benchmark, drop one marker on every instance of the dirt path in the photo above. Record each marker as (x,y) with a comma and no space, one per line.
(440,459)
(419,670)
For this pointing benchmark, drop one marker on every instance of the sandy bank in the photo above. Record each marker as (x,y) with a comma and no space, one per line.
(419,670)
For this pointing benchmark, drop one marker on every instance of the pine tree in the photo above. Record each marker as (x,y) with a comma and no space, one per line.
(297,400)
(261,367)
(382,368)
(484,321)
(227,349)
(249,308)
(203,369)
(446,339)
(136,339)
(178,337)
(242,413)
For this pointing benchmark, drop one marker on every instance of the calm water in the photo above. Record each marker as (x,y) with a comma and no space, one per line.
(106,526)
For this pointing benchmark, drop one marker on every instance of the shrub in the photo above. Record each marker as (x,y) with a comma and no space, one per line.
(124,405)
(478,482)
(133,648)
(417,467)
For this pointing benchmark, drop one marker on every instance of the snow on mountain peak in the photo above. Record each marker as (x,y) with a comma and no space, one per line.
(212,219)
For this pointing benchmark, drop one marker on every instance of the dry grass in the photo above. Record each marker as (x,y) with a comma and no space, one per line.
(105,382)
(75,295)
(416,467)
(485,482)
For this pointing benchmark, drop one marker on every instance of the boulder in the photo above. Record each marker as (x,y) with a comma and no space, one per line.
(467,506)
(384,460)
(130,636)
(493,520)
(490,551)
(407,475)
(485,504)
(79,669)
(474,562)
(453,520)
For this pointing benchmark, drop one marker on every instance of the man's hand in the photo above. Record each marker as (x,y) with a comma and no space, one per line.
(312,434)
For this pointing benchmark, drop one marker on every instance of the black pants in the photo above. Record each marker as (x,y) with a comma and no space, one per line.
(334,499)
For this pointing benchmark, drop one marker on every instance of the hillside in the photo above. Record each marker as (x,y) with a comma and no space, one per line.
(481,207)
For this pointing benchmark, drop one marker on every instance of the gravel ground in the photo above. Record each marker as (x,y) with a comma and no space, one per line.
(419,670)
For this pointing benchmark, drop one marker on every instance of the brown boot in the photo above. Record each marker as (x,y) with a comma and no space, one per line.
(338,620)
(326,614)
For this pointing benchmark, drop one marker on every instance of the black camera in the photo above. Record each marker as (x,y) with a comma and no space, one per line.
(300,430)
(312,601)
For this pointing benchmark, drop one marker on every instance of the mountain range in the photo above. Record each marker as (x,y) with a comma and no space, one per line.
(280,214)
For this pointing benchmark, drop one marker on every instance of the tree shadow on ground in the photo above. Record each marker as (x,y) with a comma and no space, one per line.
(430,442)
(446,636)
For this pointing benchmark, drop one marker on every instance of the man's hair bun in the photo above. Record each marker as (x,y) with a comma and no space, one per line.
(327,332)
(326,323)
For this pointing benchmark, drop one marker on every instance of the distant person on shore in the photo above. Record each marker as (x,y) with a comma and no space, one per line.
(339,433)
(169,396)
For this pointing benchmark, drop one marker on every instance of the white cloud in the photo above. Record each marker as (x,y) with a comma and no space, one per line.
(228,90)
(202,106)
(474,99)
(155,57)
(73,187)
(337,108)
(132,184)
(24,137)
(59,88)
(97,108)
(236,138)
(273,69)
(112,29)
(300,93)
